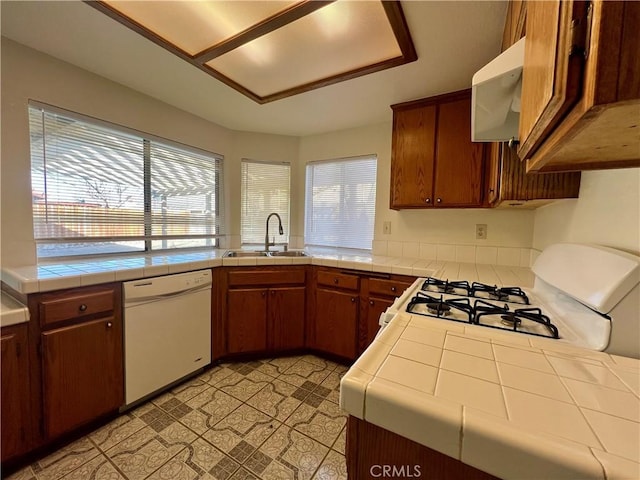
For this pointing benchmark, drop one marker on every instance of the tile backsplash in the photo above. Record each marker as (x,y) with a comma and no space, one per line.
(507,256)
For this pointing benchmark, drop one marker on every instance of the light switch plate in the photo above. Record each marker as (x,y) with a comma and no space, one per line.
(386,228)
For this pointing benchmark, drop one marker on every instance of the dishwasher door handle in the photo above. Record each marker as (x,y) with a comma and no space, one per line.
(164,296)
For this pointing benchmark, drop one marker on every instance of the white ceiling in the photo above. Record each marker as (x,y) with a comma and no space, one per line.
(453,40)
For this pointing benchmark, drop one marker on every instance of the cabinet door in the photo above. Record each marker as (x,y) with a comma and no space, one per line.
(16,426)
(336,322)
(286,318)
(375,307)
(459,161)
(247,320)
(414,134)
(82,373)
(553,63)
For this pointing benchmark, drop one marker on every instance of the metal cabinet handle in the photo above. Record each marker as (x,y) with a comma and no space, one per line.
(393,289)
(371,302)
(82,307)
(273,292)
(353,299)
(335,280)
(264,293)
(428,200)
(439,200)
(109,324)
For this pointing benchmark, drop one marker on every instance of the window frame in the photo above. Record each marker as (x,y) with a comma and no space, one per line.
(148,238)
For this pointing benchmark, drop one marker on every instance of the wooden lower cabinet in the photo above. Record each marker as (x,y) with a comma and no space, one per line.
(375,308)
(264,309)
(379,293)
(81,373)
(336,322)
(247,320)
(373,451)
(79,335)
(15,388)
(286,318)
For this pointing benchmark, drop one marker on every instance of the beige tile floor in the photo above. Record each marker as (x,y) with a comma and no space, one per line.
(273,419)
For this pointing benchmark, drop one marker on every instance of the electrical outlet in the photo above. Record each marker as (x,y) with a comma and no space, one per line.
(386,228)
(481,231)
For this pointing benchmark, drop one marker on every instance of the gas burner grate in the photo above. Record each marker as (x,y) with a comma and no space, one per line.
(513,319)
(441,308)
(432,284)
(494,292)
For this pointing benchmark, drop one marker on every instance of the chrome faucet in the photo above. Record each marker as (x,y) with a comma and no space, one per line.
(267,244)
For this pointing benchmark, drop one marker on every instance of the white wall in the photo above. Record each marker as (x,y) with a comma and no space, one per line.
(506,228)
(607,213)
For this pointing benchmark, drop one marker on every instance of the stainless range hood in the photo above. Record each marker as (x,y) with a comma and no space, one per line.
(495,97)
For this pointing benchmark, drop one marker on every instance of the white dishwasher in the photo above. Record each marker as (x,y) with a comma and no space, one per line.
(167,331)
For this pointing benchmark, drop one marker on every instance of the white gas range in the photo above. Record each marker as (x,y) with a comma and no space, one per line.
(584,295)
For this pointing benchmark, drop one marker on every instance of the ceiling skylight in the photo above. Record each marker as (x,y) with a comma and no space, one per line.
(269,50)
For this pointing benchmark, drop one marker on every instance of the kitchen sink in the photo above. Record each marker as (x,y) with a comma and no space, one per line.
(245,253)
(289,253)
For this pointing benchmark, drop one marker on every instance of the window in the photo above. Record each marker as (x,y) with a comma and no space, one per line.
(340,202)
(265,189)
(98,188)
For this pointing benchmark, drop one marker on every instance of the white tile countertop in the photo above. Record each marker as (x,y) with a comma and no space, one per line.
(523,407)
(84,272)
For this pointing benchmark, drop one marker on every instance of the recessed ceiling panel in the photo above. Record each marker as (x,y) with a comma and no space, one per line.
(339,38)
(194,26)
(269,50)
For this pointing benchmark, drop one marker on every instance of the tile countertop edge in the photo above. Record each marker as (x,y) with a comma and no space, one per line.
(471,436)
(55,276)
(12,312)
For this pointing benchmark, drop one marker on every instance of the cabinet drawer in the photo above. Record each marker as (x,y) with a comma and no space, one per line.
(339,280)
(266,277)
(69,307)
(387,287)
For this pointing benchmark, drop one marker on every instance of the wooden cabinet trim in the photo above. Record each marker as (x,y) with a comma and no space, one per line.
(238,278)
(436,100)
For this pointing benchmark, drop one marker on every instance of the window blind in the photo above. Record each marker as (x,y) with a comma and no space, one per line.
(98,189)
(340,202)
(265,189)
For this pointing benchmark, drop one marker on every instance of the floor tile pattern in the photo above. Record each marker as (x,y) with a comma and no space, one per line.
(272,419)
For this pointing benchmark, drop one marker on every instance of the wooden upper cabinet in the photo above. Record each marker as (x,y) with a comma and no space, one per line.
(581,86)
(458,173)
(551,83)
(413,156)
(514,26)
(433,161)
